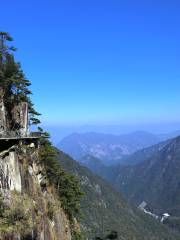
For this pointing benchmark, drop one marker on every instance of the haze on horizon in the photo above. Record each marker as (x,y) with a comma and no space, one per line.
(100,62)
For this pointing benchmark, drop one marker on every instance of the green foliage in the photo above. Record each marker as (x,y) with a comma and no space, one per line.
(15,217)
(154,180)
(14,89)
(104,208)
(174,223)
(66,185)
(77,235)
(13,83)
(2,206)
(50,210)
(111,235)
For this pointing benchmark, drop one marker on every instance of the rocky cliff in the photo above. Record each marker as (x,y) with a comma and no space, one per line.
(38,200)
(29,207)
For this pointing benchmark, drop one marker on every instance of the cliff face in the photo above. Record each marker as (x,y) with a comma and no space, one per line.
(2,114)
(29,207)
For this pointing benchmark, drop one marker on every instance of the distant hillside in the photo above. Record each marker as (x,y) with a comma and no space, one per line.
(155,180)
(143,154)
(107,147)
(108,173)
(103,209)
(169,135)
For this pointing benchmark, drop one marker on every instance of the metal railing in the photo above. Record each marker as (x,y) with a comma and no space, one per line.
(18,134)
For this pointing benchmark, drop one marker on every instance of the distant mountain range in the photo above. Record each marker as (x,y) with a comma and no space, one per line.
(143,154)
(109,149)
(155,180)
(151,174)
(104,209)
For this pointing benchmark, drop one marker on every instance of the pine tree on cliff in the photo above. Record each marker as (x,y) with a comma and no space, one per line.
(14,89)
(13,82)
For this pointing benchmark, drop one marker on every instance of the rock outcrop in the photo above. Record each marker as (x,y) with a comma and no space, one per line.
(2,113)
(32,208)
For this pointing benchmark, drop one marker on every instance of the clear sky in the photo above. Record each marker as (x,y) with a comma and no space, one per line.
(99,62)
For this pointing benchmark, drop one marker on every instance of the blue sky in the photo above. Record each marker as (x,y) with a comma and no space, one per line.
(99,62)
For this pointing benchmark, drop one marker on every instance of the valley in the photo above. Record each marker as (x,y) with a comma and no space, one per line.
(103,209)
(150,175)
(90,149)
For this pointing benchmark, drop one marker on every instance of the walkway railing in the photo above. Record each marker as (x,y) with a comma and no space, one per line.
(19,135)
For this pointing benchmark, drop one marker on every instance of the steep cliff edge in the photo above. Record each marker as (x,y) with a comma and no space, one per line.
(38,200)
(30,208)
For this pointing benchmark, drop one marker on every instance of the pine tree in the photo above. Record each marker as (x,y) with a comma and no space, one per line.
(111,235)
(13,83)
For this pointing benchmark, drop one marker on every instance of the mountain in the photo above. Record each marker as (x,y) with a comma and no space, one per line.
(169,135)
(106,147)
(143,154)
(98,168)
(155,180)
(104,209)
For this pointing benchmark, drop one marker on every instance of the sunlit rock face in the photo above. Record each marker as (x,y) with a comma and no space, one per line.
(10,178)
(25,191)
(2,117)
(19,115)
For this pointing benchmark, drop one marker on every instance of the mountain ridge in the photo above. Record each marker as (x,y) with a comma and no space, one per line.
(155,180)
(105,209)
(108,148)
